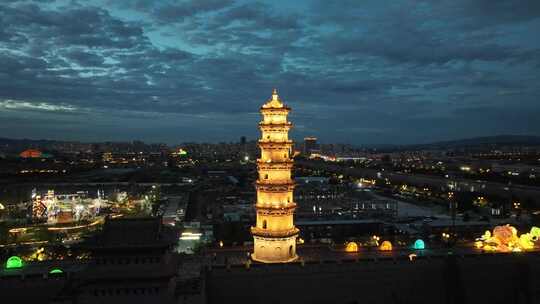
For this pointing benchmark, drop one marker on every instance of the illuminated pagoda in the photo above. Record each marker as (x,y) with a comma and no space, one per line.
(274,235)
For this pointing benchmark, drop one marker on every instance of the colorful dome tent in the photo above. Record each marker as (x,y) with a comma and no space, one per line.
(14,262)
(419,244)
(56,271)
(351,247)
(386,246)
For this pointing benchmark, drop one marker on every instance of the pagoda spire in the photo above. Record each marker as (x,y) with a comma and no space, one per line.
(274,102)
(275,95)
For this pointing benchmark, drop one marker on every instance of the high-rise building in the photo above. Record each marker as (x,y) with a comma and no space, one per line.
(310,144)
(274,234)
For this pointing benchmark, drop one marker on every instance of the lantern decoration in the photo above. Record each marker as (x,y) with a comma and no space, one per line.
(505,239)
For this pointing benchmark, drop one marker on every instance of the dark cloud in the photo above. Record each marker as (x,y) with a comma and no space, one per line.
(376,72)
(485,13)
(259,15)
(85,58)
(177,12)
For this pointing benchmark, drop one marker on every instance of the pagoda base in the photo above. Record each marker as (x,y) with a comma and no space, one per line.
(274,250)
(272,261)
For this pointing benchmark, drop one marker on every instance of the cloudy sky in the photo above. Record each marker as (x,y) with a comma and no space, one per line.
(362,72)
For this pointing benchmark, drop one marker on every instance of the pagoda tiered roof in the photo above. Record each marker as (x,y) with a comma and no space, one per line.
(274,233)
(274,103)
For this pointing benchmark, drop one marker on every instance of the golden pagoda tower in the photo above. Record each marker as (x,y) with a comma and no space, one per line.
(274,235)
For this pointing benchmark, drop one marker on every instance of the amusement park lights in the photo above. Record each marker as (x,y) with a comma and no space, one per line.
(98,221)
(58,208)
(17,230)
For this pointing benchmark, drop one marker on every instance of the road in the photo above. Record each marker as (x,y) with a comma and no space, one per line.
(490,188)
(406,209)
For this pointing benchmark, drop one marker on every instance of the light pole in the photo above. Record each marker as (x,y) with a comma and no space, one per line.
(453,206)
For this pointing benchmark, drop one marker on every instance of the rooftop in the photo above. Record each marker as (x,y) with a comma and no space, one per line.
(132,232)
(274,103)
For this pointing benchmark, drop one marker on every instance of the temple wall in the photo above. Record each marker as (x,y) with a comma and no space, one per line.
(497,279)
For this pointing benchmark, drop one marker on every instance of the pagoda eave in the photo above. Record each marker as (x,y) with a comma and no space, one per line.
(281,162)
(276,184)
(282,108)
(276,125)
(275,166)
(273,145)
(273,189)
(274,233)
(269,207)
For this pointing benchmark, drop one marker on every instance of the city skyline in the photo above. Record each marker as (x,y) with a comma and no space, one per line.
(168,71)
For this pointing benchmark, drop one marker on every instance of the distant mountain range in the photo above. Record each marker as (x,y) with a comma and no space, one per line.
(37,142)
(15,146)
(10,145)
(498,140)
(501,140)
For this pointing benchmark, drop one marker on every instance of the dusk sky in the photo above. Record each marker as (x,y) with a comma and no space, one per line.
(360,72)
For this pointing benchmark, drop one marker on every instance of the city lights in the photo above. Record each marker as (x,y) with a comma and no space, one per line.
(375,239)
(193,236)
